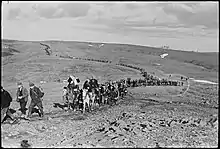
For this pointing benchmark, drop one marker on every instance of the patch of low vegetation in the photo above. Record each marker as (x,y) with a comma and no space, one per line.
(8,51)
(146,117)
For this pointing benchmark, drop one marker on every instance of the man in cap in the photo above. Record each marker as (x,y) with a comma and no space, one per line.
(71,83)
(93,84)
(73,86)
(36,96)
(87,86)
(22,97)
(6,100)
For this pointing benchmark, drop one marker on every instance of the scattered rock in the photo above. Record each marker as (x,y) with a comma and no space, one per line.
(14,133)
(162,123)
(49,118)
(126,129)
(157,145)
(25,144)
(215,124)
(213,121)
(170,123)
(143,125)
(122,123)
(184,121)
(115,137)
(101,129)
(145,130)
(6,138)
(114,123)
(215,115)
(195,121)
(203,123)
(53,127)
(41,127)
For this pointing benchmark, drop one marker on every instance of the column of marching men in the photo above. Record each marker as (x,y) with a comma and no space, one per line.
(149,79)
(92,93)
(104,93)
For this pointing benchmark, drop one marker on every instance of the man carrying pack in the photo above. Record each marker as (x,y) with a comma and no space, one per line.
(87,86)
(73,86)
(94,84)
(22,98)
(6,100)
(73,83)
(94,87)
(36,100)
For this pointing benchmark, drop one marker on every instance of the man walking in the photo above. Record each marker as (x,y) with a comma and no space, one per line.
(36,96)
(6,100)
(22,98)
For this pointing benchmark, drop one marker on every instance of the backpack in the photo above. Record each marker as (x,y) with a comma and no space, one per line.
(41,92)
(78,81)
(7,95)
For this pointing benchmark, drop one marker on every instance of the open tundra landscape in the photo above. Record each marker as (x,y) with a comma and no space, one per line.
(109,74)
(148,116)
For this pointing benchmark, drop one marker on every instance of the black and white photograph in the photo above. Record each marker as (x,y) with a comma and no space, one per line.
(109,74)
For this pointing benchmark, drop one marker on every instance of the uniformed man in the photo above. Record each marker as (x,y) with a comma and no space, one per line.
(36,96)
(22,98)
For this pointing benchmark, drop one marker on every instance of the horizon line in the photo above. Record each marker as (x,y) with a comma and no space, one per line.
(149,46)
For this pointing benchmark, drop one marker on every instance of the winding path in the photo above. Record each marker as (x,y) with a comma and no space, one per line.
(141,70)
(47,49)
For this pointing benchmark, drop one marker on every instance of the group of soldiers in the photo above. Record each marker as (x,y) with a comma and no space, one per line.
(108,92)
(22,94)
(105,93)
(152,81)
(95,60)
(148,80)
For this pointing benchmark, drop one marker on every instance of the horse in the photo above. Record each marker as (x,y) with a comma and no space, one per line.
(94,97)
(88,98)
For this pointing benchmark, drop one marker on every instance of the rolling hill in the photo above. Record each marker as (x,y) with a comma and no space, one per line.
(145,117)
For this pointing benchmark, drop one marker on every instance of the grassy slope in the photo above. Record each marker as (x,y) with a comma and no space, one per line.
(207,60)
(32,63)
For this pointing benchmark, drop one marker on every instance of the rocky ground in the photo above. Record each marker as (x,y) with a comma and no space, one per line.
(146,117)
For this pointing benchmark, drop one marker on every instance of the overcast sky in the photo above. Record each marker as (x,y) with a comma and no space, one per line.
(185,26)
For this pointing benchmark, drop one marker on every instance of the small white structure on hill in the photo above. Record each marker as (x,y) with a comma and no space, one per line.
(101,45)
(156,64)
(163,55)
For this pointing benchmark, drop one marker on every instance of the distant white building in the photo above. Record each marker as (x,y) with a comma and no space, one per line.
(163,55)
(101,45)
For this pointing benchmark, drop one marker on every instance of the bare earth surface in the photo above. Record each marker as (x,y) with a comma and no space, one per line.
(147,117)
